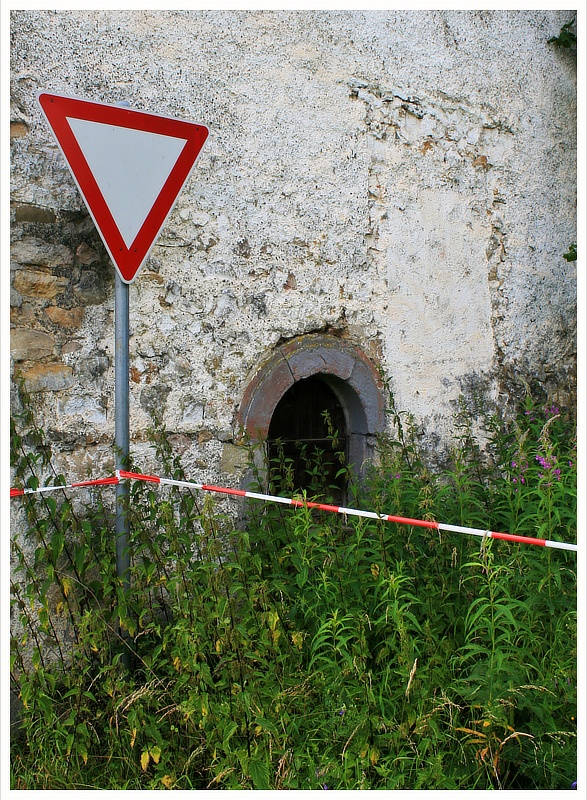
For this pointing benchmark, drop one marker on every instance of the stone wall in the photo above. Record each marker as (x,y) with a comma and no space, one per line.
(403,180)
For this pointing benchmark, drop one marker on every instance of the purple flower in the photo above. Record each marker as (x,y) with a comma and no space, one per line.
(574,785)
(522,466)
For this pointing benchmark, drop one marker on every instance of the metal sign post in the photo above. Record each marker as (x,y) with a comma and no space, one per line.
(129,166)
(121,434)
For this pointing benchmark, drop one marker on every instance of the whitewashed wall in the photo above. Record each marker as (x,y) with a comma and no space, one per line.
(406,179)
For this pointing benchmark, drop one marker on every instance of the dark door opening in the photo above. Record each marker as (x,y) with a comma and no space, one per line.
(307,442)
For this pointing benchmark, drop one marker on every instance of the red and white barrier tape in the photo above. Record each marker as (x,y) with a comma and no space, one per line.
(290,501)
(98,482)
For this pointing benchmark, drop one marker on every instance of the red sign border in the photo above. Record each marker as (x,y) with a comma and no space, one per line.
(56,108)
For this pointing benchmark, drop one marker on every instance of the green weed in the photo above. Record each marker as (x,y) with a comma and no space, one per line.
(302,650)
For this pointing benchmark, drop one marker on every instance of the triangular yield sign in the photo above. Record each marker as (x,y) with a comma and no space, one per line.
(129,166)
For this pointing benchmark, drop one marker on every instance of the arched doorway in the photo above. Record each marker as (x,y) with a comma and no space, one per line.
(307,441)
(337,364)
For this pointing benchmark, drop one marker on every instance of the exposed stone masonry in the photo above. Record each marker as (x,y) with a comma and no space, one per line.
(401,180)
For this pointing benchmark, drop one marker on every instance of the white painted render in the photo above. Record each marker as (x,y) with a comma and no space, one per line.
(407,178)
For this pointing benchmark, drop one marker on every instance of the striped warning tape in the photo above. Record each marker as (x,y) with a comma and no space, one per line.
(510,537)
(296,503)
(98,482)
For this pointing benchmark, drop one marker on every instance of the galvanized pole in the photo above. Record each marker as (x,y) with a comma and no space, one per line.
(121,434)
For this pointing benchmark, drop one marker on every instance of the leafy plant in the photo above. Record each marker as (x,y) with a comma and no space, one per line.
(566,38)
(296,649)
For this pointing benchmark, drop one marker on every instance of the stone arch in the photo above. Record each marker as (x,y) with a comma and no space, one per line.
(342,366)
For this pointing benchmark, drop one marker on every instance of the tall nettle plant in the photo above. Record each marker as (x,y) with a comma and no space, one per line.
(298,649)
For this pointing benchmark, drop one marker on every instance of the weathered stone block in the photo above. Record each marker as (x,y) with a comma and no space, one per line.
(30,345)
(43,285)
(23,315)
(234,460)
(86,255)
(92,287)
(153,399)
(93,367)
(72,346)
(48,378)
(18,129)
(192,412)
(67,318)
(29,213)
(315,359)
(90,409)
(38,253)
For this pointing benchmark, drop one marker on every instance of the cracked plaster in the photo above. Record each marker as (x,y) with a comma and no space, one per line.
(406,178)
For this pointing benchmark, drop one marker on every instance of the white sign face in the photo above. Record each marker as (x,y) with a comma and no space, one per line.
(129,166)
